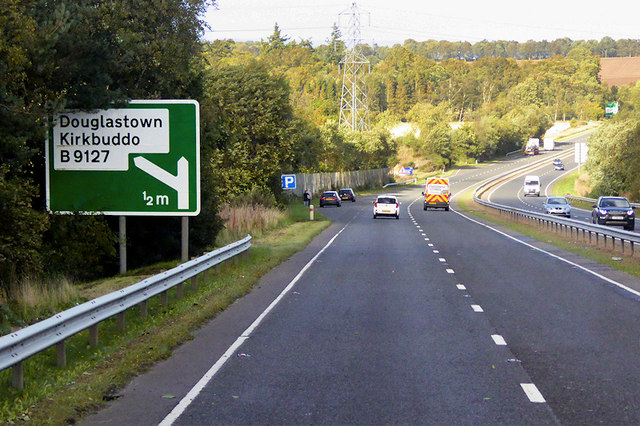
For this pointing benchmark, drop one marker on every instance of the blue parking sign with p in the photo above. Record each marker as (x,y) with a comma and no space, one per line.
(288,181)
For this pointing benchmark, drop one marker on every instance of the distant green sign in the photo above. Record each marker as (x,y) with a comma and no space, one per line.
(143,159)
(610,109)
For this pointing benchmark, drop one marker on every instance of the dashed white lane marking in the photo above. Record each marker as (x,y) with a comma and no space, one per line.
(442,259)
(450,271)
(477,308)
(532,392)
(426,239)
(461,287)
(436,251)
(498,340)
(423,234)
(430,245)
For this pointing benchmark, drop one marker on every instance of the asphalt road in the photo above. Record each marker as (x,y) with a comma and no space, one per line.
(435,318)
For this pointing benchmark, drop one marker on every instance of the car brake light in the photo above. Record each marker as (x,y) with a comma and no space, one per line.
(376,204)
(397,205)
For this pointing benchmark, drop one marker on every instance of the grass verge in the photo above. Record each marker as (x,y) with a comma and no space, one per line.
(94,374)
(614,258)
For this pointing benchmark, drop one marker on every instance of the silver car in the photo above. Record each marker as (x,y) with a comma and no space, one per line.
(557,205)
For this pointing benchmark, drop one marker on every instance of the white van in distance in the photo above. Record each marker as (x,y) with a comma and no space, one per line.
(532,185)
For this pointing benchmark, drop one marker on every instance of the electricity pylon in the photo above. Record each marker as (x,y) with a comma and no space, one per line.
(354,106)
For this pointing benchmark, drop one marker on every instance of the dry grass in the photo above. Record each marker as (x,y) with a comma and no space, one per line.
(242,220)
(32,300)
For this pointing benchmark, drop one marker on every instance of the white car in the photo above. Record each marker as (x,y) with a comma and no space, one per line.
(386,205)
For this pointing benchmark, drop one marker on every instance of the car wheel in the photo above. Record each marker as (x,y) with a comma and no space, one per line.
(446,209)
(630,227)
(568,216)
(397,216)
(374,215)
(424,207)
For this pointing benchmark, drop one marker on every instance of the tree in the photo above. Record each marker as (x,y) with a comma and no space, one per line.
(276,41)
(253,133)
(613,163)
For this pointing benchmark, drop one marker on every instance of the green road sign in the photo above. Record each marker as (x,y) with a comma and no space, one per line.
(143,159)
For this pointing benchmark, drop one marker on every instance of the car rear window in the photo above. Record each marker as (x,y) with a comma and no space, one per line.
(328,194)
(386,200)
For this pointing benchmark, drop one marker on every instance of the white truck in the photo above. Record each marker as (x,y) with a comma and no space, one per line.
(549,144)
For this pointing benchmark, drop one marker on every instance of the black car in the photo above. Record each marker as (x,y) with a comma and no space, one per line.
(330,198)
(347,194)
(613,211)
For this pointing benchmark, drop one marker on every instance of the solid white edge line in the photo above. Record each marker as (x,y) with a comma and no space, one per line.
(477,308)
(532,392)
(197,388)
(589,271)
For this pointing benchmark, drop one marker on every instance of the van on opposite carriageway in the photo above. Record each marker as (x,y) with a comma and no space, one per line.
(531,185)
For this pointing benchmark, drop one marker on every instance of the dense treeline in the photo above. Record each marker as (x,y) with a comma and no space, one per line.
(85,54)
(501,101)
(266,108)
(613,163)
(439,50)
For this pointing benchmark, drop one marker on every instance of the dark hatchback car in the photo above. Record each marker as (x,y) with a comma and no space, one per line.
(347,194)
(330,198)
(613,211)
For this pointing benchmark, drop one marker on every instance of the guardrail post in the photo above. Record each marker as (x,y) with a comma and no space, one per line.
(164,297)
(206,275)
(144,309)
(121,322)
(194,283)
(61,354)
(179,291)
(17,380)
(93,335)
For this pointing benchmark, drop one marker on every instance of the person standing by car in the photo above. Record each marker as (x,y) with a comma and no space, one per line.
(307,197)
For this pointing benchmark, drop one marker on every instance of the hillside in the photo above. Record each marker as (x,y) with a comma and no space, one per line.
(619,71)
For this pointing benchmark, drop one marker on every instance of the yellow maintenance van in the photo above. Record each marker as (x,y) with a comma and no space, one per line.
(436,193)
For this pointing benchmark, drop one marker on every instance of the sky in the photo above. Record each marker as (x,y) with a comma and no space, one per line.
(386,23)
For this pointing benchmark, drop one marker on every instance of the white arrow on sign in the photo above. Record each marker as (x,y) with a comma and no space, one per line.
(180,182)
